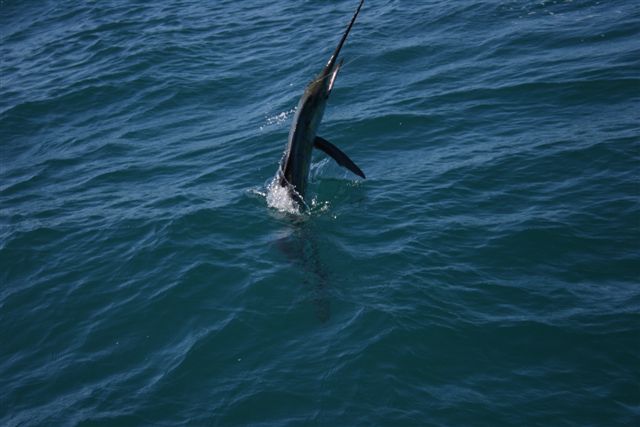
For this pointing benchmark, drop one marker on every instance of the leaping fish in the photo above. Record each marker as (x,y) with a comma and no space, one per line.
(293,172)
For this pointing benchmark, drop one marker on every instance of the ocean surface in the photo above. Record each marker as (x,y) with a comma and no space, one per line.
(486,273)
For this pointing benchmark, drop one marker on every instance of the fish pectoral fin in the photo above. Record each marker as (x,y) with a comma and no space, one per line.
(334,75)
(337,155)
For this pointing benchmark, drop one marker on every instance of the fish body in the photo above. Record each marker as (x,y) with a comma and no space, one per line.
(293,172)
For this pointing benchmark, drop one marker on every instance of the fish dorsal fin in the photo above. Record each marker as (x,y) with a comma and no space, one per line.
(336,154)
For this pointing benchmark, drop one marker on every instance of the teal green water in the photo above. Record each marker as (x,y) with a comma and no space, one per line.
(486,273)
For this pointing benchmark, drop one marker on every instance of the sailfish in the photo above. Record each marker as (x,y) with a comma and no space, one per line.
(293,172)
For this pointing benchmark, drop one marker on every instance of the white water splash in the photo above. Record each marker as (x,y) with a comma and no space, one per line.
(279,198)
(320,207)
(278,118)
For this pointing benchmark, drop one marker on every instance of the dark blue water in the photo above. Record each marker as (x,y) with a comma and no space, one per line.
(486,273)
